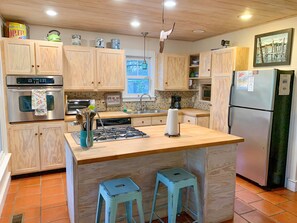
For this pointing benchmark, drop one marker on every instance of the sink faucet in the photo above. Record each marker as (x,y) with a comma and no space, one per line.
(141,108)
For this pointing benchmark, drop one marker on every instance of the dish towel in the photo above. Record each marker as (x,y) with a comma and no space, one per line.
(39,102)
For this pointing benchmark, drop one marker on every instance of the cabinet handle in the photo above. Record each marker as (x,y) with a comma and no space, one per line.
(208,69)
(36,134)
(41,134)
(99,82)
(188,120)
(142,122)
(160,120)
(92,82)
(32,65)
(38,66)
(166,82)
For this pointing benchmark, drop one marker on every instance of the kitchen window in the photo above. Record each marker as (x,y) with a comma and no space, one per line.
(139,80)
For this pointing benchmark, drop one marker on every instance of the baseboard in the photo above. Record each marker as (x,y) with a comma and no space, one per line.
(292,185)
(4,181)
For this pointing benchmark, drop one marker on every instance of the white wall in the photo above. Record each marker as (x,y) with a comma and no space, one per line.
(245,37)
(127,42)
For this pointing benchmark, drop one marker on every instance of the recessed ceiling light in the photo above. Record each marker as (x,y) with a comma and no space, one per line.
(51,13)
(246,16)
(169,3)
(198,31)
(135,23)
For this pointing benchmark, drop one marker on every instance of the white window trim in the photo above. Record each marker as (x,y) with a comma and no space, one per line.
(148,54)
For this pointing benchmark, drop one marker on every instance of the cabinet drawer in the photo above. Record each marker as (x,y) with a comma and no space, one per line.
(141,121)
(159,120)
(189,120)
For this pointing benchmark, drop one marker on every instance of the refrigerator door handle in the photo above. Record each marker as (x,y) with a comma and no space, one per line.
(229,119)
(231,88)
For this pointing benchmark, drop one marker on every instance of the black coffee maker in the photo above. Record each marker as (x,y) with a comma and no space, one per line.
(176,102)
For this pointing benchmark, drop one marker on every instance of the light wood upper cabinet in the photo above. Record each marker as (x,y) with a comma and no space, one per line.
(204,64)
(29,57)
(51,140)
(110,69)
(79,68)
(24,146)
(19,56)
(173,72)
(224,62)
(35,147)
(49,58)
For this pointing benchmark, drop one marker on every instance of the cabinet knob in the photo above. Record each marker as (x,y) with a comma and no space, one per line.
(41,134)
(142,122)
(166,82)
(36,134)
(160,120)
(188,120)
(99,82)
(208,69)
(32,65)
(92,82)
(38,66)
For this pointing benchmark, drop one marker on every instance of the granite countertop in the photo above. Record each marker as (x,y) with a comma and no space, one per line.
(119,114)
(192,137)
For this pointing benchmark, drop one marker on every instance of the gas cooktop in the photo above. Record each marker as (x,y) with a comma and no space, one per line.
(113,133)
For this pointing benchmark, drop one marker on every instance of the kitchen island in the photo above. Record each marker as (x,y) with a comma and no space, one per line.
(209,154)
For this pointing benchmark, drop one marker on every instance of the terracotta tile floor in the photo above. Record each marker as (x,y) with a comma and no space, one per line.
(43,199)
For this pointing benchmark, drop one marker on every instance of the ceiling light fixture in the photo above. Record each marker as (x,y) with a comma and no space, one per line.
(246,17)
(144,64)
(198,31)
(135,24)
(51,12)
(169,3)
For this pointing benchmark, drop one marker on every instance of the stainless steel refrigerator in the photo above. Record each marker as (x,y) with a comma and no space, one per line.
(259,111)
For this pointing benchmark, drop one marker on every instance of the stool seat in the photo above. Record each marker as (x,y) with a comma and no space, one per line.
(175,179)
(176,174)
(120,186)
(122,190)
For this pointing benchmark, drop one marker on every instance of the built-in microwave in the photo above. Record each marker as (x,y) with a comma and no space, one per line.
(205,92)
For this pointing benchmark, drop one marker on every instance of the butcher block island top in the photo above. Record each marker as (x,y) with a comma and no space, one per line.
(192,137)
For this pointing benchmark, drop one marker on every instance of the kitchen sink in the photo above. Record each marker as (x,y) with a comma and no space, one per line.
(150,111)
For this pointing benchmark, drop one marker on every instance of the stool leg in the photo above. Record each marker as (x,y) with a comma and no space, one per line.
(180,201)
(173,195)
(128,205)
(99,207)
(196,193)
(154,199)
(110,211)
(140,209)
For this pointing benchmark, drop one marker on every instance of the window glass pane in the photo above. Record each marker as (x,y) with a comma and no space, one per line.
(134,68)
(25,103)
(138,86)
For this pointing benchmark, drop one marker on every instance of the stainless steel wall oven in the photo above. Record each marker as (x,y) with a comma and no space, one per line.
(19,97)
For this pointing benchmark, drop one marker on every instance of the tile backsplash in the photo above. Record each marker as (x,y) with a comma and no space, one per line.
(163,100)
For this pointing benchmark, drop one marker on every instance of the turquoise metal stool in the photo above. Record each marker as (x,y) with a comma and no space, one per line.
(116,191)
(175,179)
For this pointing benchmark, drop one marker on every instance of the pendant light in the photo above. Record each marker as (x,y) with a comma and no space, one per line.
(144,63)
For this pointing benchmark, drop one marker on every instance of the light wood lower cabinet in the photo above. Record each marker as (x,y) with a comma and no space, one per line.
(36,147)
(202,121)
(144,121)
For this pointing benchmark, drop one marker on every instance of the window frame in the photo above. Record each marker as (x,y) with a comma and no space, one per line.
(151,59)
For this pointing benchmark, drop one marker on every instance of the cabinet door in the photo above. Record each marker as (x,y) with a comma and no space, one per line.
(79,68)
(49,58)
(52,154)
(204,64)
(203,121)
(176,72)
(110,69)
(24,147)
(19,56)
(222,62)
(220,90)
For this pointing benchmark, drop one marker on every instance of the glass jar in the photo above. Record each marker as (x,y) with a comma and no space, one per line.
(115,44)
(76,39)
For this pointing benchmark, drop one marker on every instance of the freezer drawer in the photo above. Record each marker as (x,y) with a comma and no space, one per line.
(253,154)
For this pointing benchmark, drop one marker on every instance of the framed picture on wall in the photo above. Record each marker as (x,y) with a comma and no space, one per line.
(273,49)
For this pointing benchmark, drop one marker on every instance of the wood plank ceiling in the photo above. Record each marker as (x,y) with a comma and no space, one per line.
(114,16)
